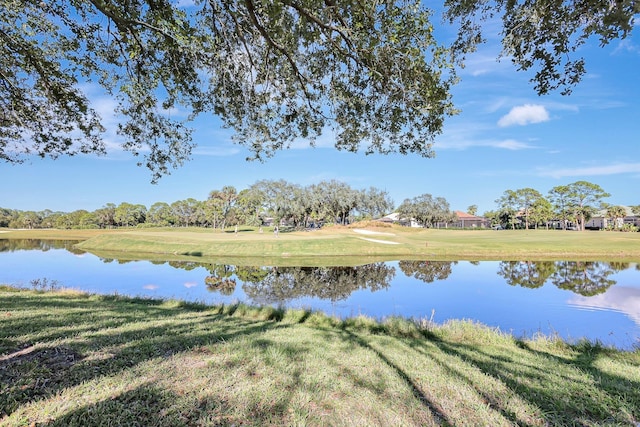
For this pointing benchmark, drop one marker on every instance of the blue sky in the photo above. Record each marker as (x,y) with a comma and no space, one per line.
(506,137)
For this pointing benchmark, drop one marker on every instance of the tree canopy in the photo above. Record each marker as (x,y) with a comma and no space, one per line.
(426,210)
(371,73)
(274,71)
(543,35)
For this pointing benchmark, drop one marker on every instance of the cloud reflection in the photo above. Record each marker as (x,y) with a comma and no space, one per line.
(618,298)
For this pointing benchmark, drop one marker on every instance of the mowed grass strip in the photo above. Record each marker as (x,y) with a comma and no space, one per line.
(348,245)
(396,243)
(72,359)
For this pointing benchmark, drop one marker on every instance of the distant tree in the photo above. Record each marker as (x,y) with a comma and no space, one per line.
(212,209)
(64,221)
(49,218)
(374,203)
(302,206)
(277,197)
(561,201)
(105,216)
(508,205)
(80,218)
(224,200)
(88,220)
(541,212)
(585,198)
(445,215)
(249,205)
(335,200)
(525,198)
(26,219)
(186,211)
(493,217)
(160,214)
(7,216)
(635,209)
(472,210)
(129,215)
(426,210)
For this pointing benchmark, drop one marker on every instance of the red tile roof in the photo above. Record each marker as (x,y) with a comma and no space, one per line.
(464,215)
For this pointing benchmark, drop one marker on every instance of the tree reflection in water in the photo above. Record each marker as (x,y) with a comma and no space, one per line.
(583,277)
(221,279)
(331,283)
(427,271)
(270,285)
(276,285)
(586,278)
(528,274)
(12,245)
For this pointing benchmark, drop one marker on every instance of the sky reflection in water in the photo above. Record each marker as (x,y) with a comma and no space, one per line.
(596,300)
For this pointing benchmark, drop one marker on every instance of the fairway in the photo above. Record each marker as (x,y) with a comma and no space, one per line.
(351,245)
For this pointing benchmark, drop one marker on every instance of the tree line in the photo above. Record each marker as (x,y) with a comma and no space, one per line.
(264,201)
(575,203)
(333,202)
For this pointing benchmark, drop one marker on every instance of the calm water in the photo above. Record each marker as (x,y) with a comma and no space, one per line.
(595,300)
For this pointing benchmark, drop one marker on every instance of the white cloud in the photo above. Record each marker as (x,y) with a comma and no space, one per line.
(463,144)
(462,135)
(524,115)
(511,144)
(218,151)
(626,45)
(483,64)
(326,140)
(614,169)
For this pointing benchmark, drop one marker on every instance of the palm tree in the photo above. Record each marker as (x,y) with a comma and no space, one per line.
(616,214)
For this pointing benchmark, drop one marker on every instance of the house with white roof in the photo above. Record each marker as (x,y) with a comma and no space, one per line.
(601,221)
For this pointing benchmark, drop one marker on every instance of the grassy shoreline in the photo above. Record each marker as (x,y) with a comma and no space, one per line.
(69,358)
(351,245)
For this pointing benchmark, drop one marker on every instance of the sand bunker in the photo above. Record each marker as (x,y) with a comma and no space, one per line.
(379,233)
(379,241)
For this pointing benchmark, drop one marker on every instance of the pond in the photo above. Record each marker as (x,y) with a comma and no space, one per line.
(571,299)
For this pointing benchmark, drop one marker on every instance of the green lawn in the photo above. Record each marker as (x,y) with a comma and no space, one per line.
(342,245)
(71,359)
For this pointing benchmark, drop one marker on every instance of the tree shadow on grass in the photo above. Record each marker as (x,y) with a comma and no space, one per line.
(148,405)
(143,406)
(432,406)
(82,314)
(30,373)
(577,394)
